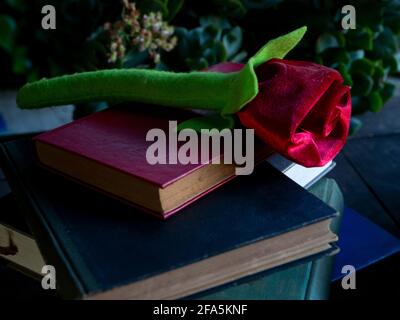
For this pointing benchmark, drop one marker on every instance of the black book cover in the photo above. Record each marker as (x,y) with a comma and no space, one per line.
(97,243)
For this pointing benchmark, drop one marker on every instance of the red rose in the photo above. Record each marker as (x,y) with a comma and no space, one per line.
(302,109)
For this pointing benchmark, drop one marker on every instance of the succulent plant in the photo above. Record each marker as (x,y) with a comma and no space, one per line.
(207,32)
(214,41)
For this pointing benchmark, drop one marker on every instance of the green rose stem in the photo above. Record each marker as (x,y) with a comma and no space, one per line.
(224,93)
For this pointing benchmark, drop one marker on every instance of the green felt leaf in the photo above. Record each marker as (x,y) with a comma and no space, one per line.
(208,122)
(279,47)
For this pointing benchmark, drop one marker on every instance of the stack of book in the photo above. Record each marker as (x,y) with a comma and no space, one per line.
(86,190)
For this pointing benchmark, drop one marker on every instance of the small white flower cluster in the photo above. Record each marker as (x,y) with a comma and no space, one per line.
(140,32)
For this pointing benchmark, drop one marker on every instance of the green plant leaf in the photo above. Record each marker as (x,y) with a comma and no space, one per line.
(221,52)
(393,63)
(261,4)
(387,91)
(183,43)
(357,54)
(153,6)
(369,12)
(19,5)
(341,39)
(209,34)
(239,57)
(355,125)
(360,39)
(7,32)
(375,101)
(161,66)
(210,54)
(334,56)
(20,62)
(397,58)
(345,74)
(233,41)
(134,58)
(362,84)
(384,45)
(364,65)
(326,41)
(359,104)
(33,75)
(213,20)
(197,64)
(174,6)
(229,8)
(379,72)
(391,15)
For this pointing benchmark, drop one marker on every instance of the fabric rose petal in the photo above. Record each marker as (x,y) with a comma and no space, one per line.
(302,109)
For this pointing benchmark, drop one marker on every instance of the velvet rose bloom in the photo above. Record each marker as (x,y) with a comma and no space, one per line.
(302,109)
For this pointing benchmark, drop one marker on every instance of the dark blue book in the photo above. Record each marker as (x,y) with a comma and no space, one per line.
(3,126)
(362,243)
(102,248)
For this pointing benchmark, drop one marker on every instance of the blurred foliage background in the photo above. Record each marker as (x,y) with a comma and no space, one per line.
(206,32)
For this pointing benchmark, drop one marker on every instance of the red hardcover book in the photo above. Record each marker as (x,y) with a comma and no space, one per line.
(107,151)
